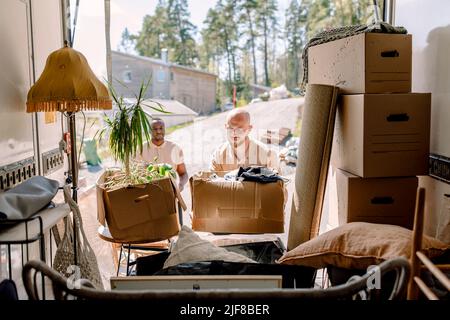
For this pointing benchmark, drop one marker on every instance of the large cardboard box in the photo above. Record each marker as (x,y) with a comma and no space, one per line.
(376,200)
(140,213)
(383,135)
(221,206)
(364,63)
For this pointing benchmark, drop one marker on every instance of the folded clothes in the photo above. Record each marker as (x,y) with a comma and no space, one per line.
(258,174)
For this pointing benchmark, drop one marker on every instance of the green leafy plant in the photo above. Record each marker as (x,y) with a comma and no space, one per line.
(160,171)
(129,128)
(139,174)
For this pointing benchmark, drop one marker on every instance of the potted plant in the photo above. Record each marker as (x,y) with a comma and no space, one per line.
(136,202)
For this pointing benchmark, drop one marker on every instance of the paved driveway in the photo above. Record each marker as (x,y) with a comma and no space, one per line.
(200,139)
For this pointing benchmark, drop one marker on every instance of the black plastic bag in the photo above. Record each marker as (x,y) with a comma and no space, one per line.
(264,253)
(292,276)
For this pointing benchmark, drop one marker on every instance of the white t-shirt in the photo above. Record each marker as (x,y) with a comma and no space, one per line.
(227,158)
(169,152)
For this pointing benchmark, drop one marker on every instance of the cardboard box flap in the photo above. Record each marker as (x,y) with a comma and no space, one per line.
(101,211)
(178,194)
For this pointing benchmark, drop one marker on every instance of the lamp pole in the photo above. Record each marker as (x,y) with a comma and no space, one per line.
(74,174)
(73,155)
(73,165)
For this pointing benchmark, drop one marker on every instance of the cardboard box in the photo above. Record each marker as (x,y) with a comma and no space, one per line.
(279,136)
(141,213)
(383,135)
(221,206)
(364,63)
(376,200)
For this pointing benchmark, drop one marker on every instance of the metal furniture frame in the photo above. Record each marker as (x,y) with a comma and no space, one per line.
(357,288)
(26,231)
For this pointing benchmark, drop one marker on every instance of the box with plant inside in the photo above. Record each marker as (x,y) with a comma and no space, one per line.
(138,202)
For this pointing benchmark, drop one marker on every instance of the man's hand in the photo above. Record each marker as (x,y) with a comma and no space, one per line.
(182,174)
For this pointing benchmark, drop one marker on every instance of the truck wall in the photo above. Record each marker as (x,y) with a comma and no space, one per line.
(429,23)
(29,31)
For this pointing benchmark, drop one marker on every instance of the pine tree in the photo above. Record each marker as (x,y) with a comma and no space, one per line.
(211,48)
(221,33)
(295,28)
(267,24)
(127,42)
(247,19)
(155,33)
(183,43)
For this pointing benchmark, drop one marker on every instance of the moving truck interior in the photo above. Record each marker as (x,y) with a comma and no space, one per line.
(370,184)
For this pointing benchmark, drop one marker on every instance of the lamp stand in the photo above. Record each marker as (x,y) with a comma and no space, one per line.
(74,173)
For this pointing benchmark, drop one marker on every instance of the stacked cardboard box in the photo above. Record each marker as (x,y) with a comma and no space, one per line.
(382,132)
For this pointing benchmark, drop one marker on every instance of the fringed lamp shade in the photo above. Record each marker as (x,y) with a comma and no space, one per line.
(67,84)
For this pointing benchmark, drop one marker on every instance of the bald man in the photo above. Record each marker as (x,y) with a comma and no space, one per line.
(164,151)
(239,149)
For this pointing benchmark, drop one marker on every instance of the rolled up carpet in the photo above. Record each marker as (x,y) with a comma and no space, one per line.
(319,114)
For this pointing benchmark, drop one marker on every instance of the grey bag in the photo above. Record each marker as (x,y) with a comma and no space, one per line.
(64,261)
(26,199)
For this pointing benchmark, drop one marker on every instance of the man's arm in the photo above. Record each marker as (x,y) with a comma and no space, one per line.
(216,164)
(183,175)
(274,160)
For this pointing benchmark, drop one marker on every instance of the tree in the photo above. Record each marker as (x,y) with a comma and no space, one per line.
(267,24)
(182,41)
(295,30)
(221,34)
(127,43)
(324,14)
(155,33)
(247,18)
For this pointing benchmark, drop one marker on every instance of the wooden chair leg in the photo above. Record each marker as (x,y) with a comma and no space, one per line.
(413,290)
(114,248)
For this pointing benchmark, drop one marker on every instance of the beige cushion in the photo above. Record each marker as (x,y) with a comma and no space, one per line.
(358,245)
(191,248)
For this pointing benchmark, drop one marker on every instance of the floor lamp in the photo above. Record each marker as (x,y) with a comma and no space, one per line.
(68,84)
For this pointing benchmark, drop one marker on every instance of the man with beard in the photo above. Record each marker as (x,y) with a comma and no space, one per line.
(159,150)
(240,150)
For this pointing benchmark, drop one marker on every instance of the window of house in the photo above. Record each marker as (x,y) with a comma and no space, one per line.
(126,76)
(171,76)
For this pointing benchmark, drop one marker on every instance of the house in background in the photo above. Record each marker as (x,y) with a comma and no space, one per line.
(178,113)
(192,87)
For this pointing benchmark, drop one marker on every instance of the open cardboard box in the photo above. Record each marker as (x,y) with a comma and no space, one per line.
(220,206)
(140,213)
